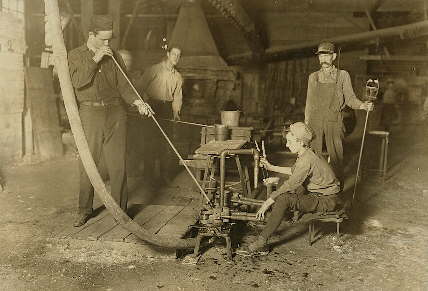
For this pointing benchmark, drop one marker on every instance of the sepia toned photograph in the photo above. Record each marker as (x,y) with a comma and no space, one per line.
(214,145)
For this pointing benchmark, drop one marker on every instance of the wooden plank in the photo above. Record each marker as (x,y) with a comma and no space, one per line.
(69,230)
(119,233)
(154,224)
(167,216)
(215,147)
(178,226)
(96,230)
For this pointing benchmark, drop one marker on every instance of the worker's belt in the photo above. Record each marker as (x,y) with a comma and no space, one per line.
(323,195)
(159,101)
(102,103)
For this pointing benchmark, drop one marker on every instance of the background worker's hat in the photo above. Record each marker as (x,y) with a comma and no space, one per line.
(325,47)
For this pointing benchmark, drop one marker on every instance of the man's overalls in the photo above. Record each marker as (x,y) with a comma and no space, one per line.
(326,120)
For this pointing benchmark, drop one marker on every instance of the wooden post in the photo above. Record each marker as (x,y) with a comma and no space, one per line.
(131,21)
(114,11)
(87,11)
(80,32)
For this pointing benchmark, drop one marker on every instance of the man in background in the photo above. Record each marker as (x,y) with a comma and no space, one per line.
(329,91)
(162,86)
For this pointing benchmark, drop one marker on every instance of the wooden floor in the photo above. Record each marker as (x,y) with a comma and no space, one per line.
(158,219)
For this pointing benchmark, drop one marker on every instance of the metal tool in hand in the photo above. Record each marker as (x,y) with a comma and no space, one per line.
(371,92)
(163,132)
(264,171)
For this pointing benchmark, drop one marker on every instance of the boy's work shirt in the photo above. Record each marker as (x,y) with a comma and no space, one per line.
(314,173)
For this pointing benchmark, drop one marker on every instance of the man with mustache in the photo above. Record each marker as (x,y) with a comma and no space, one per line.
(329,91)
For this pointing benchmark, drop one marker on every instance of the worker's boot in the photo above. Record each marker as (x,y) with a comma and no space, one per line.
(257,248)
(81,219)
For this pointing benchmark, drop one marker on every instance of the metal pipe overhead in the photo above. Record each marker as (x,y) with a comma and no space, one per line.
(403,58)
(275,53)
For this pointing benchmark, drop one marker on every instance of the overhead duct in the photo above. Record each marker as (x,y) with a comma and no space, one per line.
(193,36)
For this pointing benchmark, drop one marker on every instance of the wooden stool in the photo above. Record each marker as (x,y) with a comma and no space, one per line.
(334,216)
(383,158)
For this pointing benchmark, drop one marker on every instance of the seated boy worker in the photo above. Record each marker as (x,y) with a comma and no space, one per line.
(311,173)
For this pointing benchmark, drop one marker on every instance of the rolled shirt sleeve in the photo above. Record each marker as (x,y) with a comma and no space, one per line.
(82,69)
(177,102)
(309,94)
(299,174)
(348,92)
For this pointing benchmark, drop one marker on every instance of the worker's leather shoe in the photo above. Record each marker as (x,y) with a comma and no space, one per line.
(81,219)
(257,248)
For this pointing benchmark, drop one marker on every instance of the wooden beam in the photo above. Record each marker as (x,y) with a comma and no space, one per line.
(114,11)
(403,58)
(87,11)
(281,52)
(373,26)
(425,10)
(130,23)
(376,5)
(233,10)
(79,30)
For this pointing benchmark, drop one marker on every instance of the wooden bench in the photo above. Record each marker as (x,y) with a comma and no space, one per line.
(333,216)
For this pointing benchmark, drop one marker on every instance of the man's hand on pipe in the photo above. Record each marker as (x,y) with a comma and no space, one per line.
(101,52)
(143,108)
(367,106)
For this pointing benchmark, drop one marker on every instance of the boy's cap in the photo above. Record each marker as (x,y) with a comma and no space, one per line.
(302,132)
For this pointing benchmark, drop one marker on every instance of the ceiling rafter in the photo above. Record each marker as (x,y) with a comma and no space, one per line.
(236,14)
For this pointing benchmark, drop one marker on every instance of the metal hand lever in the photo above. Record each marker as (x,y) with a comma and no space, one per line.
(264,172)
(263,149)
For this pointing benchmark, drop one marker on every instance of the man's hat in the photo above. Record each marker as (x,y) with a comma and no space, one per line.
(101,23)
(325,48)
(302,132)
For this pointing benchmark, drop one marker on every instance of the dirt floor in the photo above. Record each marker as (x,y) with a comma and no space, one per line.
(384,245)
